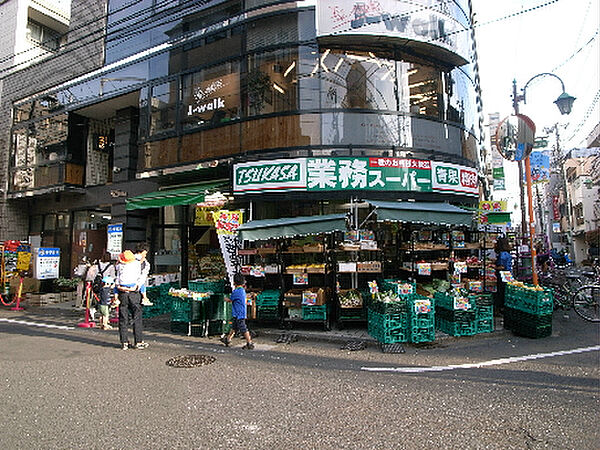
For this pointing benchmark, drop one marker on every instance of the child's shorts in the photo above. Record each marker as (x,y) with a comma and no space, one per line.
(239,325)
(104,310)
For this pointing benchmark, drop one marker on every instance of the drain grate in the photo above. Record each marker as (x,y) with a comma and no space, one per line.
(392,348)
(354,346)
(189,361)
(285,338)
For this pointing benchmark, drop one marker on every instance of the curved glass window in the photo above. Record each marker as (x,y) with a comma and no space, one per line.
(356,80)
(271,82)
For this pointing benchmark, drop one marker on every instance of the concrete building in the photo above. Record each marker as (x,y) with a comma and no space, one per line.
(284,108)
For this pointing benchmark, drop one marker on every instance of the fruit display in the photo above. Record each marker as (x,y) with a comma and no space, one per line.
(185,293)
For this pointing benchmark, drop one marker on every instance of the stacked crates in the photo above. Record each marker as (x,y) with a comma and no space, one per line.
(312,312)
(267,304)
(421,319)
(528,311)
(387,322)
(410,319)
(456,318)
(159,295)
(484,312)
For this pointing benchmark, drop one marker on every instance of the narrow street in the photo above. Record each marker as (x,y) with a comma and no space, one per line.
(66,387)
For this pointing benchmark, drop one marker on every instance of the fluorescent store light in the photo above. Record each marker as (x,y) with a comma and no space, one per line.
(338,65)
(278,88)
(289,69)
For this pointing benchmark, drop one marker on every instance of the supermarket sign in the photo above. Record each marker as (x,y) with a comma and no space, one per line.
(339,174)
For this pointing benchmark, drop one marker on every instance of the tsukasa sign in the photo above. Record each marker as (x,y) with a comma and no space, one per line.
(339,174)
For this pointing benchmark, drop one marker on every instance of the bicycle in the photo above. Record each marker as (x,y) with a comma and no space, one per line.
(586,300)
(17,298)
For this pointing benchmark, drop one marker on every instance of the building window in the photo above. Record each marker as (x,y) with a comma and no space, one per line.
(43,36)
(578,212)
(211,96)
(163,107)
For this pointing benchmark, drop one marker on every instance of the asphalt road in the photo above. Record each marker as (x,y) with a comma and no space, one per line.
(74,388)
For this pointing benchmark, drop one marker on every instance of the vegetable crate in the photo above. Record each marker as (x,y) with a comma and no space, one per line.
(527,324)
(484,325)
(540,301)
(218,308)
(218,327)
(399,287)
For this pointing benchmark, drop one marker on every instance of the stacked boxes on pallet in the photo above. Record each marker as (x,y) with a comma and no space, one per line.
(528,310)
(267,304)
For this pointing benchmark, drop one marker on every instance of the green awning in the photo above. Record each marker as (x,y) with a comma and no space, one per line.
(181,196)
(291,226)
(422,212)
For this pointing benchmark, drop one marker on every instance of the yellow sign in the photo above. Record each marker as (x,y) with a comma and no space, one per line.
(494,206)
(23,260)
(204,217)
(227,222)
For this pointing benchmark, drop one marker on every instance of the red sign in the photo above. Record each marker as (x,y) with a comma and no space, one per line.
(555,207)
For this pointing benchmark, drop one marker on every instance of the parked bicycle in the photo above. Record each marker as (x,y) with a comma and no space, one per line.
(577,289)
(586,300)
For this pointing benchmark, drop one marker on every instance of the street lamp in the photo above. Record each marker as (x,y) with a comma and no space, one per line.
(564,102)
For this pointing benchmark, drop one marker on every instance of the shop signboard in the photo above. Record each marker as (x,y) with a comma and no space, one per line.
(417,20)
(340,174)
(555,207)
(114,244)
(214,98)
(540,167)
(47,262)
(556,227)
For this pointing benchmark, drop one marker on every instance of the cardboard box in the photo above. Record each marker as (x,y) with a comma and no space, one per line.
(292,298)
(347,267)
(29,285)
(369,266)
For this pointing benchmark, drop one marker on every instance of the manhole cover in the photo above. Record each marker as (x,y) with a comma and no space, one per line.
(188,361)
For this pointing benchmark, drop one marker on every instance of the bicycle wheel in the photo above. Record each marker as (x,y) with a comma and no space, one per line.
(586,302)
(5,300)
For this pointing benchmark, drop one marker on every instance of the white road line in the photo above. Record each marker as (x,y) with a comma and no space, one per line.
(493,362)
(37,324)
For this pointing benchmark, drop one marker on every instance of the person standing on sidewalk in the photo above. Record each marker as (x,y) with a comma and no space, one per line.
(238,311)
(127,292)
(503,264)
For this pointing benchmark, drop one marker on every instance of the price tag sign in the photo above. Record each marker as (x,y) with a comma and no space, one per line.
(373,289)
(257,271)
(424,268)
(506,276)
(300,278)
(405,288)
(422,306)
(309,298)
(460,267)
(462,303)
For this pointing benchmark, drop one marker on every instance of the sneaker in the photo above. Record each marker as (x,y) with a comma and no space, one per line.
(124,346)
(147,303)
(249,346)
(225,341)
(141,345)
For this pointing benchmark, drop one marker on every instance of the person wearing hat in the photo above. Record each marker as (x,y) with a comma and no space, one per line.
(105,300)
(127,292)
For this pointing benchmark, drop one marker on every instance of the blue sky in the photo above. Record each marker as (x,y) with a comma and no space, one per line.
(562,38)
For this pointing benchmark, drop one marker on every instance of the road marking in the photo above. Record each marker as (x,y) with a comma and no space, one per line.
(37,324)
(493,362)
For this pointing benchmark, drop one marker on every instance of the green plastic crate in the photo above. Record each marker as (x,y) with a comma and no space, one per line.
(421,334)
(218,308)
(207,286)
(314,312)
(456,328)
(484,325)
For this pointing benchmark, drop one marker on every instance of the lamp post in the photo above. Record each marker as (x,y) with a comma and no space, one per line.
(564,102)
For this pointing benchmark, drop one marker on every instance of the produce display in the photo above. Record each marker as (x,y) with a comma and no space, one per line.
(186,293)
(350,299)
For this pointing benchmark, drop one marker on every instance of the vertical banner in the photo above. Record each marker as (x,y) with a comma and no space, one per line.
(227,223)
(114,243)
(47,261)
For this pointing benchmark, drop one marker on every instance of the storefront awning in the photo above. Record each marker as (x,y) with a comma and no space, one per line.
(181,196)
(421,212)
(291,226)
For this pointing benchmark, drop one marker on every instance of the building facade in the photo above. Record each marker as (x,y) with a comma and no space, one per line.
(283,108)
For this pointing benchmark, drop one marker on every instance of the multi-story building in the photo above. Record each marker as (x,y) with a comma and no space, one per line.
(286,108)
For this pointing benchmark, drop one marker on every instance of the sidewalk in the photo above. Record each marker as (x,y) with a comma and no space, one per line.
(66,314)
